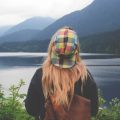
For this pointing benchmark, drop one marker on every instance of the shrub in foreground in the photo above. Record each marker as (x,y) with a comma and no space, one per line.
(12,106)
(109,112)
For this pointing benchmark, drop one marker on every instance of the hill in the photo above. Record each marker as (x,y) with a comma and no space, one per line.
(25,30)
(19,36)
(107,42)
(3,29)
(97,25)
(98,17)
(37,23)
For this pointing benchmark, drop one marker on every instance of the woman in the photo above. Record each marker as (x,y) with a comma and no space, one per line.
(62,72)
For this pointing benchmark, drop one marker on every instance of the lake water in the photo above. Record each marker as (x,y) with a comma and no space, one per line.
(105,69)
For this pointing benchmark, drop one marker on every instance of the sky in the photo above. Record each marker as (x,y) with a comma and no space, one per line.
(16,11)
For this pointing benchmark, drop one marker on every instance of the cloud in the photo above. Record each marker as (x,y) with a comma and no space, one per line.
(12,11)
(10,19)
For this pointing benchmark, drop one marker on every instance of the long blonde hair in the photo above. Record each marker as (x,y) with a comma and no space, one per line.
(59,82)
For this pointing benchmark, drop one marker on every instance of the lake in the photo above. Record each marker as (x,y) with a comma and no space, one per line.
(105,69)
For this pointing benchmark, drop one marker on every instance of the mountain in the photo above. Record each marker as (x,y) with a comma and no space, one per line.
(98,17)
(26,30)
(3,29)
(19,36)
(38,23)
(97,25)
(107,42)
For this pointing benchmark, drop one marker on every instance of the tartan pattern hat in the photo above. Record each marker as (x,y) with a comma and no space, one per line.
(64,44)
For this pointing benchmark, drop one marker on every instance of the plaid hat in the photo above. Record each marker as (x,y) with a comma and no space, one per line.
(64,44)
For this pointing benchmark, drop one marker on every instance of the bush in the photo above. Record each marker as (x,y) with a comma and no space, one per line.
(109,112)
(12,107)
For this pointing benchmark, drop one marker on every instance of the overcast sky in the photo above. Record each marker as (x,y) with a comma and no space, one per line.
(15,11)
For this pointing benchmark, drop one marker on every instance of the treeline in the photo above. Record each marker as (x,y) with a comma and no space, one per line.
(27,46)
(108,42)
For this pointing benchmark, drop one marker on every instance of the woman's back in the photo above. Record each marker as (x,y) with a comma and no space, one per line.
(35,100)
(62,75)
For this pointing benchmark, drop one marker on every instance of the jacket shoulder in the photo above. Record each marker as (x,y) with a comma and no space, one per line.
(37,76)
(39,70)
(90,80)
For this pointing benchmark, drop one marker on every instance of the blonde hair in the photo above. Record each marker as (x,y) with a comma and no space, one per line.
(59,82)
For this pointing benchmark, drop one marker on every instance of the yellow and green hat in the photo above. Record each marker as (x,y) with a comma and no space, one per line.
(64,47)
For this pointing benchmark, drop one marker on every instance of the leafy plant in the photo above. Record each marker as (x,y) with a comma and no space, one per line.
(11,107)
(110,112)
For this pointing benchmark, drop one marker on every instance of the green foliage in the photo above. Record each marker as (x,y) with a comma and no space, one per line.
(11,107)
(111,112)
(107,42)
